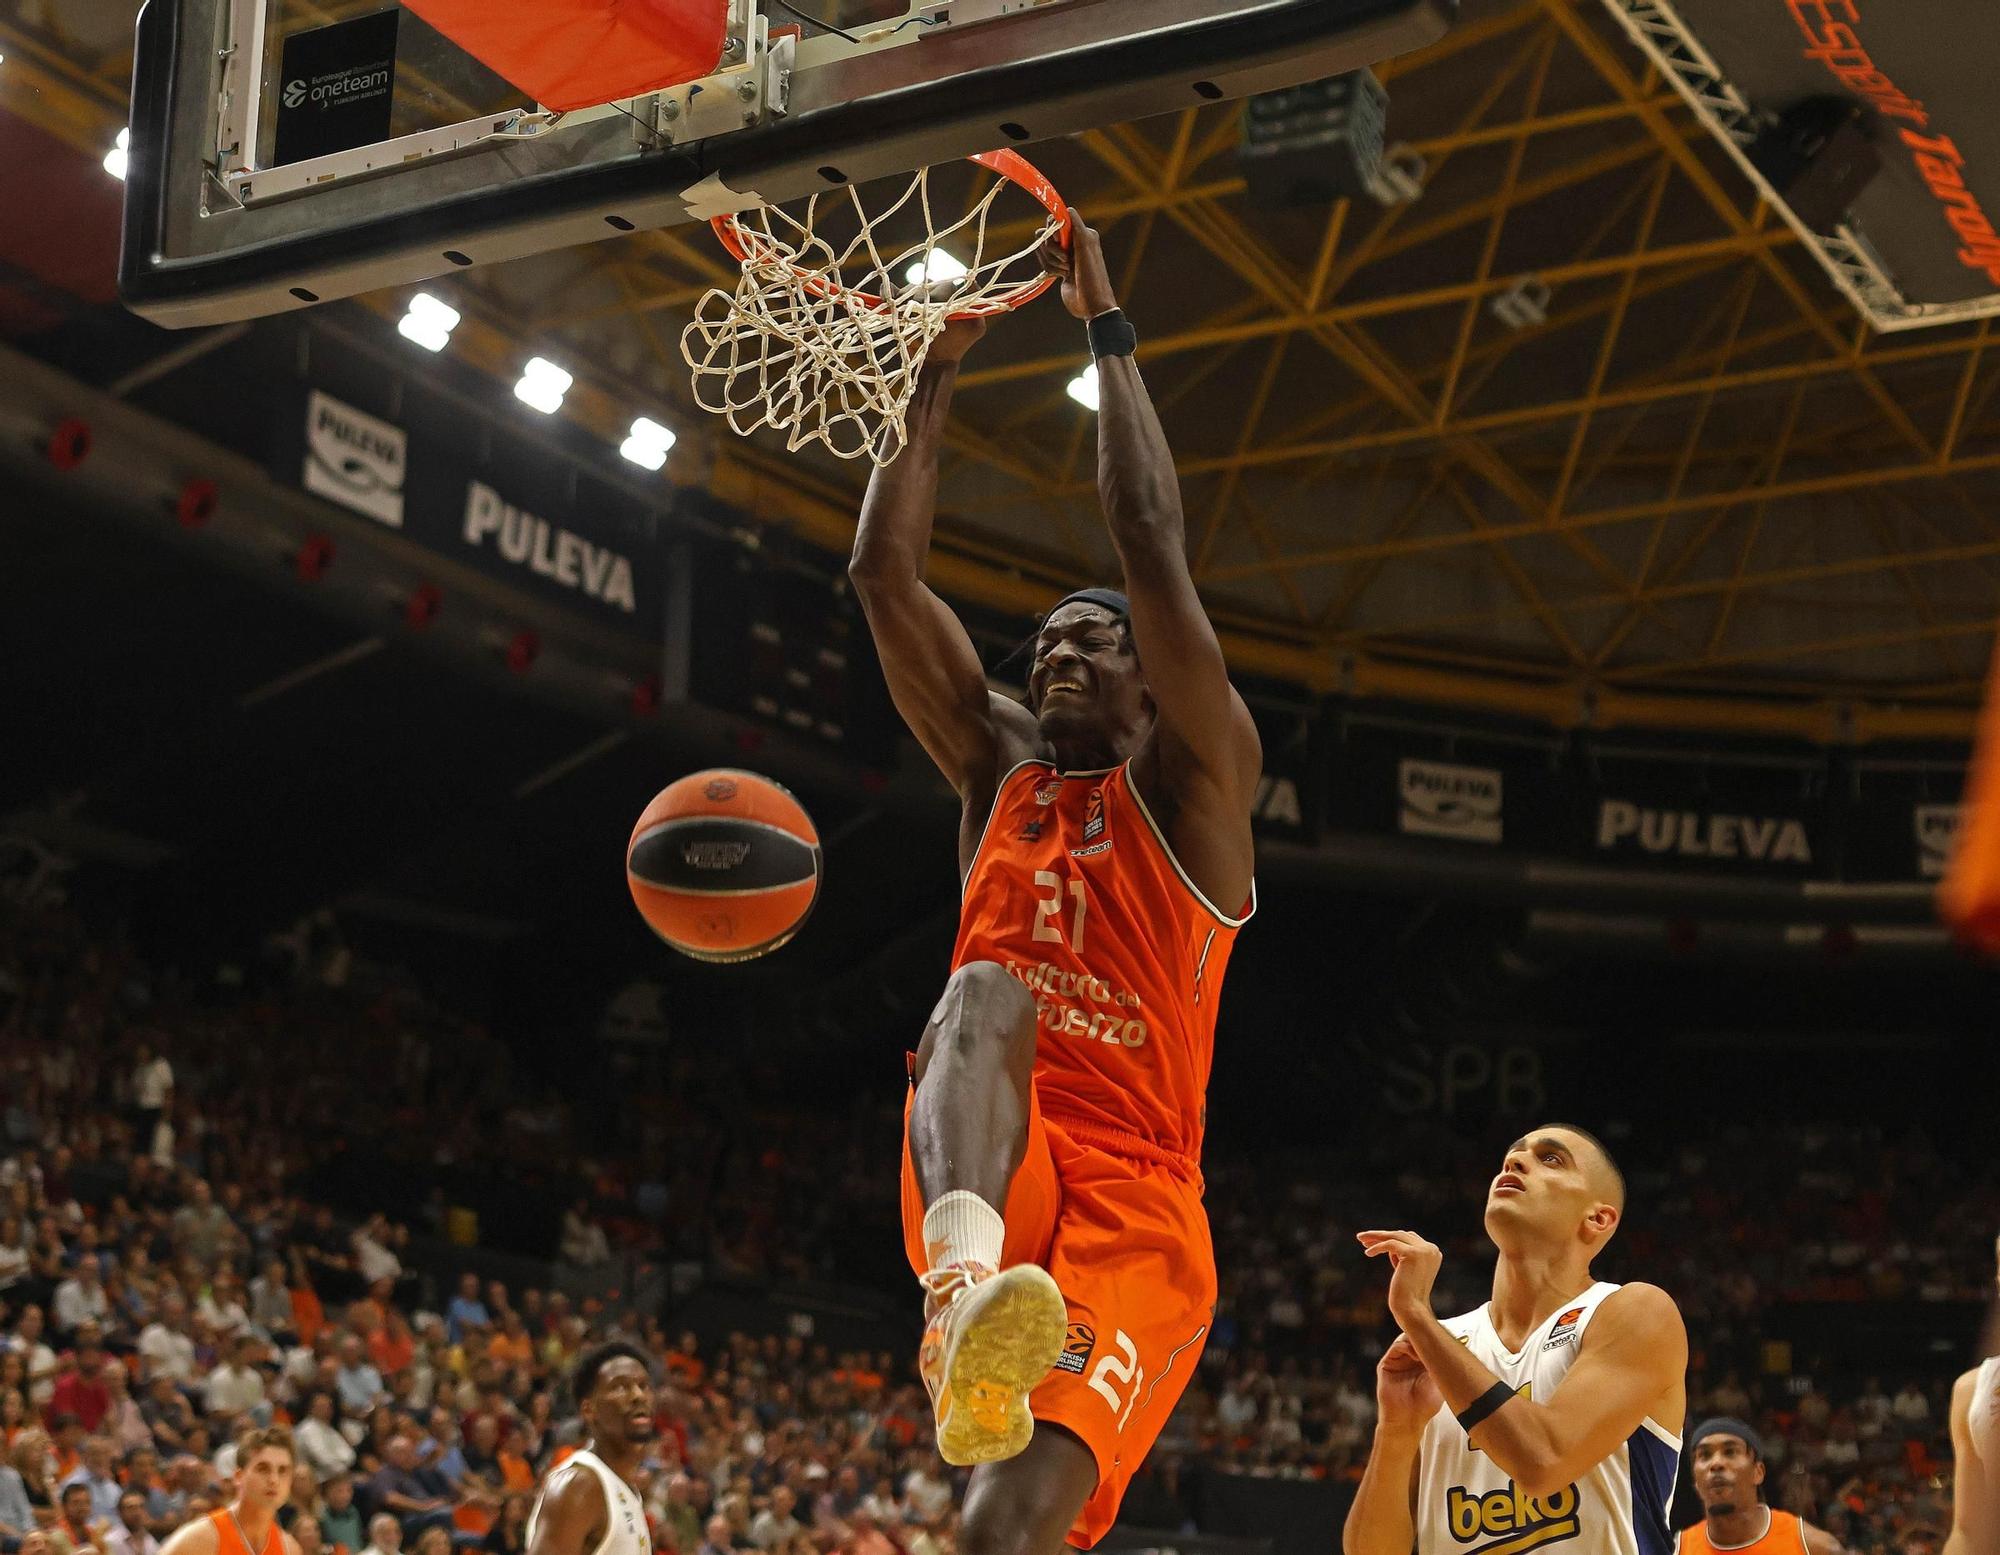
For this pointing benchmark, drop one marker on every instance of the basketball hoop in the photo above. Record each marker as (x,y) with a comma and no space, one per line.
(823,337)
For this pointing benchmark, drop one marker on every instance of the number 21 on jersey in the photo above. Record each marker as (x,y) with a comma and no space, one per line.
(1049,915)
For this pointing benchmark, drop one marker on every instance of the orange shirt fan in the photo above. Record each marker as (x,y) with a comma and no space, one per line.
(569,54)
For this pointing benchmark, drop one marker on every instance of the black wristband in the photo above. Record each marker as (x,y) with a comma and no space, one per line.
(1476,1413)
(1111,334)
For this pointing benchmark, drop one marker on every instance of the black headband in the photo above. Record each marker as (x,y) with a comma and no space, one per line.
(1725,1425)
(1104,599)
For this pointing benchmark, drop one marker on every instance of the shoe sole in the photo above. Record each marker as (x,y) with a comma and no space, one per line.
(1006,1345)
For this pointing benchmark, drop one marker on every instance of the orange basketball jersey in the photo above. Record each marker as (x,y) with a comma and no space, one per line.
(1785,1536)
(1074,891)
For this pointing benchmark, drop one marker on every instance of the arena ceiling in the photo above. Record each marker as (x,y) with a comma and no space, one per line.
(1700,493)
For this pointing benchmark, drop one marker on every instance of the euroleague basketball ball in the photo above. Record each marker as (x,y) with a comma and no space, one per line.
(724,865)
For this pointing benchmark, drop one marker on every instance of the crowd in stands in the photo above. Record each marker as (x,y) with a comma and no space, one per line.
(168,1275)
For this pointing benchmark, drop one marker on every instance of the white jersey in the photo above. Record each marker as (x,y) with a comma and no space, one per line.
(1467,1505)
(1983,1416)
(625,1530)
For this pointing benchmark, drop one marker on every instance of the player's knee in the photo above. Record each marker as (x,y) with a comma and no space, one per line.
(985,1003)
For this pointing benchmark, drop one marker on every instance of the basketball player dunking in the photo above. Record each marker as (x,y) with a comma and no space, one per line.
(1548,1418)
(249,1524)
(588,1506)
(1727,1460)
(1051,1187)
(1975,1450)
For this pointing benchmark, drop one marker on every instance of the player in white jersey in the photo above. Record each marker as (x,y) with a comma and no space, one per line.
(1549,1418)
(589,1506)
(1975,1450)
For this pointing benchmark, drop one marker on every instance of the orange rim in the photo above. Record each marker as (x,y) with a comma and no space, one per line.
(1010,165)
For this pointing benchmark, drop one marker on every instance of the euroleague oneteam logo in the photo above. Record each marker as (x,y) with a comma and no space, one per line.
(295,94)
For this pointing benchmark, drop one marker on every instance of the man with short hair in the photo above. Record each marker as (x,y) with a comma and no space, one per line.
(81,1298)
(715,1537)
(80,1388)
(75,1521)
(1552,1412)
(396,1488)
(340,1522)
(249,1524)
(465,1307)
(1727,1461)
(166,1343)
(591,1505)
(1975,1450)
(385,1535)
(357,1381)
(201,1227)
(130,1534)
(98,1475)
(776,1525)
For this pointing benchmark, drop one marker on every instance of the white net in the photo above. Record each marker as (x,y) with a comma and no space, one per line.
(823,337)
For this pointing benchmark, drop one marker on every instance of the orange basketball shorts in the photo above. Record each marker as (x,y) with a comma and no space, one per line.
(1120,1225)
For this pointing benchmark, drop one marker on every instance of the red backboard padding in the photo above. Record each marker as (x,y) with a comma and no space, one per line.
(578,53)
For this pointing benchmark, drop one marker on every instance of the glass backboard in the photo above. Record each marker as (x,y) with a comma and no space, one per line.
(286,152)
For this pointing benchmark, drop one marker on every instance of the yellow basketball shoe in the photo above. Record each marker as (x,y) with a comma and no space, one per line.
(992,1335)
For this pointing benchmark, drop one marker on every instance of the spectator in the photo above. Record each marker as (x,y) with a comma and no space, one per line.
(584,1244)
(97,1474)
(339,1518)
(236,1387)
(1911,1406)
(715,1537)
(130,1534)
(80,1299)
(17,1516)
(75,1523)
(41,1360)
(321,1446)
(358,1382)
(776,1525)
(374,1244)
(80,1388)
(465,1308)
(201,1227)
(166,1343)
(509,1533)
(683,1517)
(152,1092)
(271,1316)
(122,1419)
(385,1535)
(397,1489)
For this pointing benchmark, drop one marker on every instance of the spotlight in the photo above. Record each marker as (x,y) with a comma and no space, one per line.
(937,265)
(543,385)
(1083,387)
(429,323)
(648,444)
(120,153)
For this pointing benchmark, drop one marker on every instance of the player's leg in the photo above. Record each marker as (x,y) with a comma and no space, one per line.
(992,1332)
(1027,1505)
(969,1115)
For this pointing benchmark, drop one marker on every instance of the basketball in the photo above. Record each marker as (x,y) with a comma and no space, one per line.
(724,865)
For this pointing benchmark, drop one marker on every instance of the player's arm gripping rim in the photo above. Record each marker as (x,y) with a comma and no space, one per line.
(1635,1354)
(1199,712)
(573,1514)
(1974,1527)
(933,671)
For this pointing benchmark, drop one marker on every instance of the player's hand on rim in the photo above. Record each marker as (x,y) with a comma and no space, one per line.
(959,335)
(1414,1265)
(1086,281)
